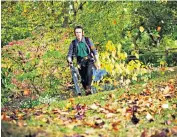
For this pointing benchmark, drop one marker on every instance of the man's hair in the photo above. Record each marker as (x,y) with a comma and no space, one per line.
(78,27)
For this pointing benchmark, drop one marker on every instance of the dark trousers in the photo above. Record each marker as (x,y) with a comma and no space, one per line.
(86,75)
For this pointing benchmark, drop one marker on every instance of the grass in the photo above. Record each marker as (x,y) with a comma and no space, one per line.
(96,123)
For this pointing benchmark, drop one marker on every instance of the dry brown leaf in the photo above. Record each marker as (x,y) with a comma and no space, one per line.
(174,106)
(174,130)
(112,96)
(26,92)
(5,117)
(128,116)
(144,134)
(56,111)
(102,110)
(99,123)
(93,106)
(88,123)
(21,123)
(34,97)
(20,116)
(171,87)
(110,108)
(110,115)
(115,125)
(166,90)
(72,100)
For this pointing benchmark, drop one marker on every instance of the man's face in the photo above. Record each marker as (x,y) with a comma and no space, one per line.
(78,34)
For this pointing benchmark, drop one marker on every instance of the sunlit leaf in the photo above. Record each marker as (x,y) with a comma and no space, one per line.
(141,28)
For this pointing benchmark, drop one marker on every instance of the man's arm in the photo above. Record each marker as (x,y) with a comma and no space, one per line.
(92,47)
(95,53)
(70,53)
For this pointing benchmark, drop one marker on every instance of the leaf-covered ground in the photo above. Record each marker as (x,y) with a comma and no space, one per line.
(146,110)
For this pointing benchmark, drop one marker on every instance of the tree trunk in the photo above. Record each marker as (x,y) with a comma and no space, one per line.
(65,14)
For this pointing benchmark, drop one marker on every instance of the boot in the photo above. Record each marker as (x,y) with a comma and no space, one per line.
(88,91)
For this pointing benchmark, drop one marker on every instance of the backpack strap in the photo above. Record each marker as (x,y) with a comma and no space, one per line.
(88,43)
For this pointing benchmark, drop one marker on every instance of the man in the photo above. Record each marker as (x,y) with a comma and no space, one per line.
(86,54)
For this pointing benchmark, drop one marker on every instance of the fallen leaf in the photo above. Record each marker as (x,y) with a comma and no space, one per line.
(64,113)
(90,131)
(72,100)
(56,111)
(162,133)
(112,96)
(34,97)
(68,105)
(165,106)
(115,124)
(174,130)
(149,117)
(171,69)
(110,115)
(166,90)
(99,122)
(5,117)
(21,123)
(168,122)
(144,134)
(26,92)
(45,120)
(128,116)
(93,106)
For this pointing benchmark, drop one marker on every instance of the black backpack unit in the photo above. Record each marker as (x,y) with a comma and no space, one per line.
(88,43)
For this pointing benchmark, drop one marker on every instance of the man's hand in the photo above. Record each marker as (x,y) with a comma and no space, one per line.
(97,64)
(70,63)
(69,60)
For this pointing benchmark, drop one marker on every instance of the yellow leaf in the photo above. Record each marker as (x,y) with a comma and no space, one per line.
(141,28)
(114,54)
(119,46)
(137,56)
(129,34)
(72,100)
(68,105)
(134,78)
(110,46)
(44,120)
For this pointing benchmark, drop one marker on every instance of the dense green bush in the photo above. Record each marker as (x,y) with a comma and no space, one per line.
(172,59)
